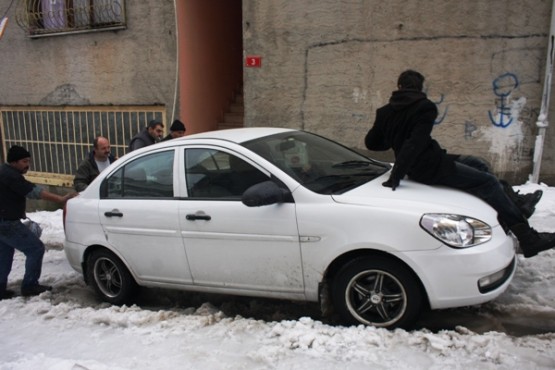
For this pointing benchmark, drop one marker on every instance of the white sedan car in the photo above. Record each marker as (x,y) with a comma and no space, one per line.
(287,214)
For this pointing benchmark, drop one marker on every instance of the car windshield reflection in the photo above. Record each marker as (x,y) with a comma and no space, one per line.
(317,163)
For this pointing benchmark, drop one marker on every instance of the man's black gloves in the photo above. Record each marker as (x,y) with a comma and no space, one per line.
(392,183)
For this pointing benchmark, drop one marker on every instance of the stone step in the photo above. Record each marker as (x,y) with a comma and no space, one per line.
(226,125)
(235,115)
(233,118)
(236,108)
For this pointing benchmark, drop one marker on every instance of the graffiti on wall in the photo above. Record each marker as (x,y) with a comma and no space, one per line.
(506,110)
(441,116)
(503,87)
(506,147)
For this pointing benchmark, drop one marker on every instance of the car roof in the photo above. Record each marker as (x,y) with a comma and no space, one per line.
(236,135)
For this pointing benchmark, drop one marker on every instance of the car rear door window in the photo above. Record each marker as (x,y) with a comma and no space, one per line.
(150,176)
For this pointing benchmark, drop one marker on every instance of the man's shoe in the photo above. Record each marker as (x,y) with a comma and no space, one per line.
(34,290)
(531,242)
(527,202)
(7,294)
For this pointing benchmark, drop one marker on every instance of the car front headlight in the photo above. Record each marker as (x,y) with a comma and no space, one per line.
(456,230)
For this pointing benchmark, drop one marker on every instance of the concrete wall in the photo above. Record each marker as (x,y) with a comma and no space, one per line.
(328,65)
(127,67)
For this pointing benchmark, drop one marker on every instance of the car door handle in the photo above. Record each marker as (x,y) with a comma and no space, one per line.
(113,213)
(193,217)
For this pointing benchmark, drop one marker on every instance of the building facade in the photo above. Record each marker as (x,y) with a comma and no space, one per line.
(328,65)
(105,67)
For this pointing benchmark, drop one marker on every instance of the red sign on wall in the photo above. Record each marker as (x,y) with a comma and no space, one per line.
(253,61)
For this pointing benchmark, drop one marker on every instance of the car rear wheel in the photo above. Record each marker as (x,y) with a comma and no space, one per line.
(110,278)
(377,291)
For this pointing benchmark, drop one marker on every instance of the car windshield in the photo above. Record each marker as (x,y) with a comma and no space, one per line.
(319,164)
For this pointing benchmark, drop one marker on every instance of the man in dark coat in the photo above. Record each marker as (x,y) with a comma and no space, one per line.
(97,160)
(405,125)
(177,129)
(150,135)
(14,189)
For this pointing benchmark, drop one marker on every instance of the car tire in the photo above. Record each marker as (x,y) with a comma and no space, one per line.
(110,278)
(377,291)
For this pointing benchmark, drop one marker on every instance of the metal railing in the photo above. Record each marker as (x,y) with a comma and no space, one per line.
(56,17)
(59,138)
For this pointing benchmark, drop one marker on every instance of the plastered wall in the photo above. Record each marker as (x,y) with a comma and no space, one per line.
(133,66)
(327,65)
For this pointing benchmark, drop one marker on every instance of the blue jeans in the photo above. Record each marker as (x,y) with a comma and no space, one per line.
(14,235)
(473,176)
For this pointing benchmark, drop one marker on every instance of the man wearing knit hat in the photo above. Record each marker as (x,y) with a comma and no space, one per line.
(177,129)
(14,189)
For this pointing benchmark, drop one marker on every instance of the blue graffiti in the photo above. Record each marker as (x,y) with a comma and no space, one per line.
(438,103)
(503,86)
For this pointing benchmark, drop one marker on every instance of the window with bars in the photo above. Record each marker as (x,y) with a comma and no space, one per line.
(59,138)
(52,17)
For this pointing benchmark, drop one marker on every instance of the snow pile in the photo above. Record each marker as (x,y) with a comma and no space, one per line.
(71,329)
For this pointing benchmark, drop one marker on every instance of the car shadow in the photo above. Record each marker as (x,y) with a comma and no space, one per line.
(478,319)
(264,309)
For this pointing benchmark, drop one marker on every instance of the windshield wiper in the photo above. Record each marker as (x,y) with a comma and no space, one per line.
(352,164)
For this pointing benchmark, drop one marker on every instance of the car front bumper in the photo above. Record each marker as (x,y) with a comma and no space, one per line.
(463,277)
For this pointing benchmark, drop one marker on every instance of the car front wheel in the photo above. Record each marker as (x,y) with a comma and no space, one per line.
(377,291)
(110,278)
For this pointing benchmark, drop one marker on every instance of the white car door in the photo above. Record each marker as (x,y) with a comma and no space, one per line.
(230,245)
(139,214)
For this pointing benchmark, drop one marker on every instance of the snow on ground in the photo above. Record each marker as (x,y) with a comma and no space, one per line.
(70,329)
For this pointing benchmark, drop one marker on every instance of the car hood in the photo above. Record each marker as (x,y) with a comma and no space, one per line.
(420,198)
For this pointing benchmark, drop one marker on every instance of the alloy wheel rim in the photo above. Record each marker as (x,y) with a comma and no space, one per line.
(376,298)
(107,277)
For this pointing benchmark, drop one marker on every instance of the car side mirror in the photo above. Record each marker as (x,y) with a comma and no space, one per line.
(265,193)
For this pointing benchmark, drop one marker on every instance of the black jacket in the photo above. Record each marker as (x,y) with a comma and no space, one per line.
(87,172)
(405,125)
(13,191)
(167,137)
(141,140)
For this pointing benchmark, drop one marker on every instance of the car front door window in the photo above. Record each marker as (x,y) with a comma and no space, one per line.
(217,174)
